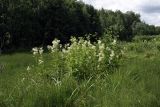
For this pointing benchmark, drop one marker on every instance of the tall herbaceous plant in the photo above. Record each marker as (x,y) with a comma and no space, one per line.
(80,59)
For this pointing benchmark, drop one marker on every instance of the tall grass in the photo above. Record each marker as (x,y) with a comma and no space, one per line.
(71,77)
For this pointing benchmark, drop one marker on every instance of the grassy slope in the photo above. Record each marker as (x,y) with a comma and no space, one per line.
(136,83)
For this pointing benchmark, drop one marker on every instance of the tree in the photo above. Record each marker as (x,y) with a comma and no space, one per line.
(37,22)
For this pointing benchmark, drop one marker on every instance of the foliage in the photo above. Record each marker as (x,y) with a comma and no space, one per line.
(142,28)
(121,24)
(135,82)
(49,81)
(142,44)
(34,23)
(80,59)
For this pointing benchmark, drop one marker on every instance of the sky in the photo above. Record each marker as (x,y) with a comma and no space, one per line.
(148,9)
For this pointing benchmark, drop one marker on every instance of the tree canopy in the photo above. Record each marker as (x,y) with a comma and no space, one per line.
(37,22)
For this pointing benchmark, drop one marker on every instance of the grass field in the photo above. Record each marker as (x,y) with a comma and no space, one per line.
(136,83)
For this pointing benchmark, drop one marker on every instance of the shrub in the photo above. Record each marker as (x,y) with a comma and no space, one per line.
(80,59)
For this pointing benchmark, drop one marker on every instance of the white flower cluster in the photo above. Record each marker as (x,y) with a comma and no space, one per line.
(114,42)
(55,45)
(40,61)
(101,54)
(112,55)
(79,45)
(37,51)
(112,52)
(28,68)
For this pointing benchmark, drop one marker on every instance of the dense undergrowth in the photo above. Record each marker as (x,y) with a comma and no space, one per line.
(83,74)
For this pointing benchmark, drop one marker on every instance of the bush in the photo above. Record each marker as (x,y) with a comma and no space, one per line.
(80,59)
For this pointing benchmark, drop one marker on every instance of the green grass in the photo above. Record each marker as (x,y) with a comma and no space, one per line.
(135,84)
(15,65)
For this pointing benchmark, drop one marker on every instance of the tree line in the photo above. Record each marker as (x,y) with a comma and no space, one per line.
(28,23)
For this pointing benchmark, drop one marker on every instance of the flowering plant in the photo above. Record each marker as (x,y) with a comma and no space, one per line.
(80,59)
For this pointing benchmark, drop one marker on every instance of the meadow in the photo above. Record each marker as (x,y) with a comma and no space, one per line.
(108,73)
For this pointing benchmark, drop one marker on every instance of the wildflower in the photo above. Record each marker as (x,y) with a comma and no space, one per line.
(100,59)
(101,47)
(23,80)
(99,42)
(40,61)
(60,45)
(35,51)
(66,45)
(112,55)
(49,47)
(63,50)
(28,68)
(93,47)
(69,48)
(73,40)
(98,66)
(101,56)
(114,42)
(55,43)
(84,45)
(108,48)
(122,52)
(89,43)
(40,50)
(85,42)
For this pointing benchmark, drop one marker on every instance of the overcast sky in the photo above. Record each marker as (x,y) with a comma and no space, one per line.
(149,9)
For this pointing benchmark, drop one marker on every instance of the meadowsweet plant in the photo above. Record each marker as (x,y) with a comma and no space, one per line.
(80,59)
(38,68)
(37,53)
(55,46)
(113,52)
